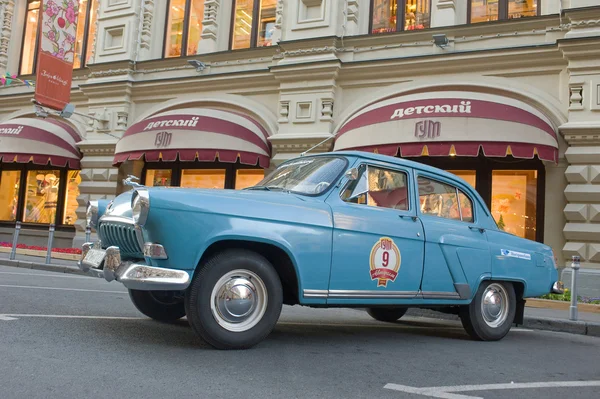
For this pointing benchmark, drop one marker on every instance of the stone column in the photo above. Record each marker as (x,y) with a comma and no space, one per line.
(445,13)
(210,27)
(582,133)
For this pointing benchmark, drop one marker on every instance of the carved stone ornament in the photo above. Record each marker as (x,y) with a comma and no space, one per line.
(441,4)
(352,11)
(7,8)
(122,118)
(210,25)
(576,97)
(147,16)
(284,111)
(326,109)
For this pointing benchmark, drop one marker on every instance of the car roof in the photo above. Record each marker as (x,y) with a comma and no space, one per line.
(394,160)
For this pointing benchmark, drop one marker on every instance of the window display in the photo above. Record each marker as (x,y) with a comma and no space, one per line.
(158,177)
(248,177)
(254,23)
(469,176)
(41,196)
(81,53)
(493,10)
(184,27)
(73,181)
(9,194)
(203,178)
(514,201)
(416,15)
(29,39)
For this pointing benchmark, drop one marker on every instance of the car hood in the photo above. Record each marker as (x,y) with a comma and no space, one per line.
(120,206)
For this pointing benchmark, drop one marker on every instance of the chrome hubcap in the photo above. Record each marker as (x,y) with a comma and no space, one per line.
(239,300)
(494,305)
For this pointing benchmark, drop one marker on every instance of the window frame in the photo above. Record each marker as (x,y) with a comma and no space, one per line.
(185,32)
(37,38)
(178,166)
(366,165)
(502,12)
(457,191)
(60,203)
(399,27)
(255,21)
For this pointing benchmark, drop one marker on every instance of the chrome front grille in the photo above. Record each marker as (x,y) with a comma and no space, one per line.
(122,236)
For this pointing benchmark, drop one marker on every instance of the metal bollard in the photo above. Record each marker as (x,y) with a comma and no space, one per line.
(574,273)
(50,239)
(13,250)
(88,233)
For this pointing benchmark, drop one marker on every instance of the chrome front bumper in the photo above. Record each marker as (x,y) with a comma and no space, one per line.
(108,264)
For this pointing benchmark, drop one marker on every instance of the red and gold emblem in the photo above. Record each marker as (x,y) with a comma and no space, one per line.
(385,261)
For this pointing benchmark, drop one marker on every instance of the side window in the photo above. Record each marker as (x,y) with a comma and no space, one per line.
(466,207)
(379,187)
(443,200)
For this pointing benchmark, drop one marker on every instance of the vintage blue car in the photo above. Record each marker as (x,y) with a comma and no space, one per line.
(341,229)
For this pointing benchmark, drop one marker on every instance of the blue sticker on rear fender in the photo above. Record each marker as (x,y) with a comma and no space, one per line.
(515,254)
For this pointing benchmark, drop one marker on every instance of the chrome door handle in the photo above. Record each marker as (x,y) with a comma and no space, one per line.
(481,230)
(414,218)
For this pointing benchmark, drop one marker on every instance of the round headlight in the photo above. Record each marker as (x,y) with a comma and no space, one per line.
(140,205)
(91,213)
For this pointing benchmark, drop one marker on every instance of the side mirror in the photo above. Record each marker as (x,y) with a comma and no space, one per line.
(352,174)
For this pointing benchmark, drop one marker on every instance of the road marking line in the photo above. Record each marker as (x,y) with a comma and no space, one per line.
(63,289)
(54,274)
(446,391)
(58,316)
(7,318)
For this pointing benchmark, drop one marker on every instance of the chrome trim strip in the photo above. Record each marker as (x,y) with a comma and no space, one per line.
(116,219)
(440,295)
(315,293)
(371,294)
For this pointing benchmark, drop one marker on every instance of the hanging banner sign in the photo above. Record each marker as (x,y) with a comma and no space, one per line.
(56,50)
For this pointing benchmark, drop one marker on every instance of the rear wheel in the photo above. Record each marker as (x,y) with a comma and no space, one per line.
(235,299)
(159,305)
(491,313)
(389,315)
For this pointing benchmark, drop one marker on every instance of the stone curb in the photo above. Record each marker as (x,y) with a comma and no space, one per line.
(536,323)
(57,268)
(579,327)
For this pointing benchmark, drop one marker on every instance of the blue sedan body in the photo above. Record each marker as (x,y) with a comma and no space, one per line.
(342,253)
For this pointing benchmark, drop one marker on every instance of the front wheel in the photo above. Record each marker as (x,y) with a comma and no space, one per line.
(235,299)
(491,313)
(158,305)
(389,315)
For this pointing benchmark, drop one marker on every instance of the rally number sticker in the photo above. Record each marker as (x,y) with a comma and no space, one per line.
(385,261)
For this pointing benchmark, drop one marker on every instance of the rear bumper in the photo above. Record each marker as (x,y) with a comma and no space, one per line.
(133,275)
(558,287)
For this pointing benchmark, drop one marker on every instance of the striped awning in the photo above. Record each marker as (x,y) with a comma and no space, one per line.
(450,123)
(40,141)
(204,134)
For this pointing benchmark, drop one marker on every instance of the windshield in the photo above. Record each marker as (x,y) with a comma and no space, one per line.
(309,176)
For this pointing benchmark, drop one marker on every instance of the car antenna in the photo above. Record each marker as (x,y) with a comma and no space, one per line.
(312,148)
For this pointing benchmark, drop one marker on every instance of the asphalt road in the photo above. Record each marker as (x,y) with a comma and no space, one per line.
(78,337)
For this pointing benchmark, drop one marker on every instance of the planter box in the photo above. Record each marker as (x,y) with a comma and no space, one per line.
(42,254)
(561,305)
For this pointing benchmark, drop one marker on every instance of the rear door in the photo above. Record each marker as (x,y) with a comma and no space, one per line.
(457,252)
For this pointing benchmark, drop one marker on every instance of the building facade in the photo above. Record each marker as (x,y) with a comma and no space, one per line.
(215,93)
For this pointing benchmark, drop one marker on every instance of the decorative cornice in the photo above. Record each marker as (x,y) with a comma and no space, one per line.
(97,149)
(110,72)
(311,51)
(581,133)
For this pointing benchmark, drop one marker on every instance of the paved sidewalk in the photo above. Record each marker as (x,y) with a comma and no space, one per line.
(535,318)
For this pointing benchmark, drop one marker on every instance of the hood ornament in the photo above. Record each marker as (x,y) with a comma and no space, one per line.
(129,181)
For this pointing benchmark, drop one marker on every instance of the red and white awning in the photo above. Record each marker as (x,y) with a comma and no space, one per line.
(450,123)
(205,134)
(40,141)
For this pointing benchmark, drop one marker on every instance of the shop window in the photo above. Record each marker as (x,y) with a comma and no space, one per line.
(253,23)
(493,10)
(41,196)
(248,177)
(470,176)
(158,177)
(81,46)
(514,201)
(400,15)
(9,194)
(184,27)
(379,187)
(203,178)
(73,181)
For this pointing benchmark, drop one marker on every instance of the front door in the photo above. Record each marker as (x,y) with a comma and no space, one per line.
(378,240)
